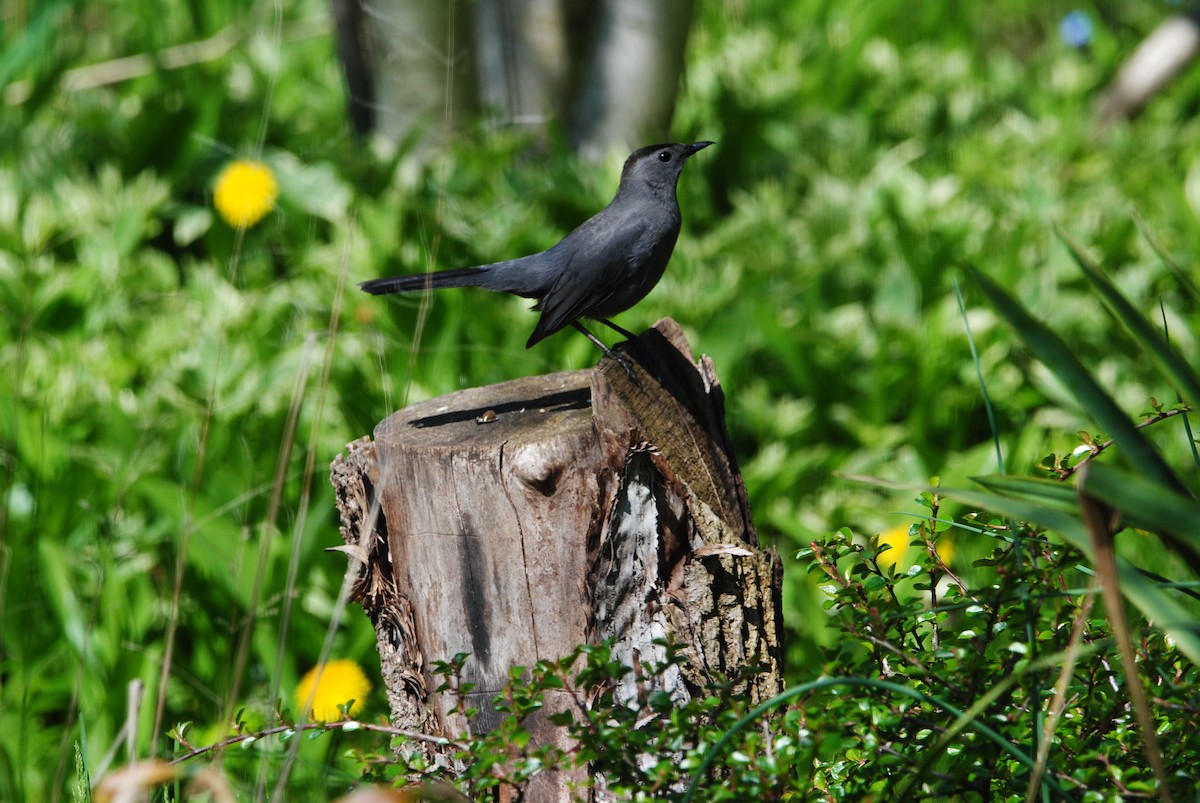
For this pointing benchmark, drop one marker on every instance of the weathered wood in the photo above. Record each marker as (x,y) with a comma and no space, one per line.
(517,521)
(708,586)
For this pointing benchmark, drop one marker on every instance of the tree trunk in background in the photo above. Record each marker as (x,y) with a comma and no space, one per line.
(606,72)
(419,68)
(354,50)
(523,56)
(516,521)
(631,76)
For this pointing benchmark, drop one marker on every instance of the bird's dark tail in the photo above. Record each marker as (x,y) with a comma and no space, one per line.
(462,277)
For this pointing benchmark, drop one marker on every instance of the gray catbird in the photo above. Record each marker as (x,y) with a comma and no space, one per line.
(600,269)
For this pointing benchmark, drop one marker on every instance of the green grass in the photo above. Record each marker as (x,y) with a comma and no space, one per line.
(865,153)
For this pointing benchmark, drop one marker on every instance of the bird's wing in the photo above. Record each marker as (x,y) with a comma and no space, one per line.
(599,267)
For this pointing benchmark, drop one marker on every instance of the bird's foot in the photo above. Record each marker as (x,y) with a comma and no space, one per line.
(625,361)
(621,357)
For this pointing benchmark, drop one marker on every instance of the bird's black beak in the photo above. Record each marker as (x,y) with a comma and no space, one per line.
(698,146)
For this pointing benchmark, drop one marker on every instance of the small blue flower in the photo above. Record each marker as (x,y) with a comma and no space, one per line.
(1076,29)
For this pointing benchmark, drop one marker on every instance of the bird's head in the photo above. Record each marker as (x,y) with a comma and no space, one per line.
(658,166)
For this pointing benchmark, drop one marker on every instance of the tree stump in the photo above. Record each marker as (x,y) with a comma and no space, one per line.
(517,521)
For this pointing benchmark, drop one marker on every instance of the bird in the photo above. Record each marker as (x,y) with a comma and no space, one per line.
(606,265)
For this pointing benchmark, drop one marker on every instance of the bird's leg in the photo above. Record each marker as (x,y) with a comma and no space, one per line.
(622,359)
(625,332)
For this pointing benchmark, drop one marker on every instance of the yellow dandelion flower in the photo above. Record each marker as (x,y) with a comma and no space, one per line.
(945,549)
(897,538)
(245,192)
(338,683)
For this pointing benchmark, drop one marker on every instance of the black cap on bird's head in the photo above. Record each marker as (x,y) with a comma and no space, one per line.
(659,165)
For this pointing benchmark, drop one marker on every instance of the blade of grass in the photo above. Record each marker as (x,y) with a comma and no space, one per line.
(1052,493)
(185,539)
(1181,275)
(1147,337)
(1187,424)
(1029,609)
(1146,505)
(1048,347)
(331,339)
(987,399)
(1058,703)
(30,47)
(1097,517)
(1052,351)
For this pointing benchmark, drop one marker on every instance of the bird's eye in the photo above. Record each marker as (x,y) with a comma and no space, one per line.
(664,156)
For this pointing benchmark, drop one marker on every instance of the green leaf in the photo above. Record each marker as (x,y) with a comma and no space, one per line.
(1144,504)
(62,593)
(1181,274)
(963,719)
(1168,360)
(1145,594)
(191,223)
(313,188)
(1060,358)
(1037,490)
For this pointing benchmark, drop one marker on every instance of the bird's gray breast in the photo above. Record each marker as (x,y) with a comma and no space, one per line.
(636,266)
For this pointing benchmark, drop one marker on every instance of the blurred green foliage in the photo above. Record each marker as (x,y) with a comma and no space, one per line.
(150,355)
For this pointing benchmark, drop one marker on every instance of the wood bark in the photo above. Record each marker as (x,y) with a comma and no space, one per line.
(517,521)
